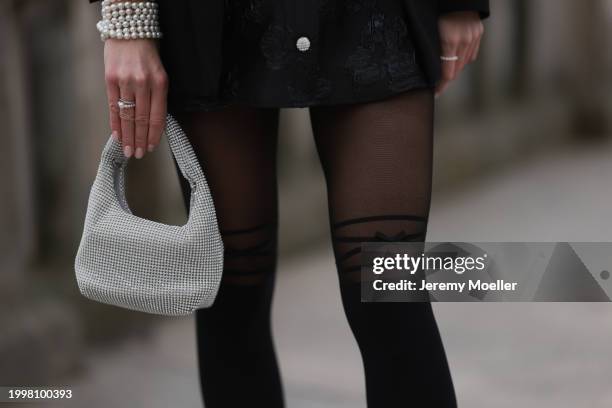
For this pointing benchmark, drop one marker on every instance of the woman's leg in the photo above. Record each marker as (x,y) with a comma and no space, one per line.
(377,160)
(237,150)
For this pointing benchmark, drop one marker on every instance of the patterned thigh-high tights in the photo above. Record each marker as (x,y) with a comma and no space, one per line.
(377,160)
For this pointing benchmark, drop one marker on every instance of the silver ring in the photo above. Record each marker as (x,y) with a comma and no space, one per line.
(123,104)
(450,58)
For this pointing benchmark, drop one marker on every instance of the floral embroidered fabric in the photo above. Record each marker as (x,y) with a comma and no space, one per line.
(349,51)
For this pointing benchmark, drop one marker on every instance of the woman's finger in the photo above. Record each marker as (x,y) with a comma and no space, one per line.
(476,39)
(127,122)
(112,94)
(141,119)
(157,118)
(470,55)
(477,44)
(464,54)
(476,50)
(449,51)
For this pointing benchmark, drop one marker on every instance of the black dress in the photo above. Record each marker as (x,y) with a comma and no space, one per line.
(329,52)
(298,53)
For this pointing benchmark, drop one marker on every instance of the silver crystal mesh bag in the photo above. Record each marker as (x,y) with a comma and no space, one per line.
(143,265)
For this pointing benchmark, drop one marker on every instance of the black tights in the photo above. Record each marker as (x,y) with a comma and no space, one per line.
(377,160)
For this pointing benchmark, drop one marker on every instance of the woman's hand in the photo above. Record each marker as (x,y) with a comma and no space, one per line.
(460,35)
(134,72)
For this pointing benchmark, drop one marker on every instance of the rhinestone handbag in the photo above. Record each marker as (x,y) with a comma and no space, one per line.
(138,264)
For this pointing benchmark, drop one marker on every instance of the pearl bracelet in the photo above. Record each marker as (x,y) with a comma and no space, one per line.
(129,20)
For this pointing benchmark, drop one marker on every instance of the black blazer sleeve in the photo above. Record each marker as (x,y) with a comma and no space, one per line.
(480,6)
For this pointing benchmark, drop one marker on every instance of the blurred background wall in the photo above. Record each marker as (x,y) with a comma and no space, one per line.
(542,83)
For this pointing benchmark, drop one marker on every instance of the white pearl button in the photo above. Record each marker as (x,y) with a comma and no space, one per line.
(303,44)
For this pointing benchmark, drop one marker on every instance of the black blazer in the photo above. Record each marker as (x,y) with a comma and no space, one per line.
(203,23)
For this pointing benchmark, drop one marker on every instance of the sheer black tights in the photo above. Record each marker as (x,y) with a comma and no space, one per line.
(377,160)
(237,150)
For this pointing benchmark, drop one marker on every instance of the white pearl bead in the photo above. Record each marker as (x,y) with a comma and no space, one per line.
(303,44)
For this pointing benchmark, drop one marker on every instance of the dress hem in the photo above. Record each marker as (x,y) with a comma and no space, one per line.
(201,104)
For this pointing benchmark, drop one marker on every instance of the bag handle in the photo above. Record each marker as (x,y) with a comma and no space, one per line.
(183,152)
(114,159)
(179,146)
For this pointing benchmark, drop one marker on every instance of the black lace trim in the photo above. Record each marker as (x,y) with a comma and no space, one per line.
(385,54)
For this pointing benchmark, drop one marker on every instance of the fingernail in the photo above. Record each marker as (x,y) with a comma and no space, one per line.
(127,151)
(151,147)
(115,135)
(139,153)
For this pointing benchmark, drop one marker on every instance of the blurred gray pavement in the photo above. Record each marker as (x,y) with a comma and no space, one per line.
(501,355)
